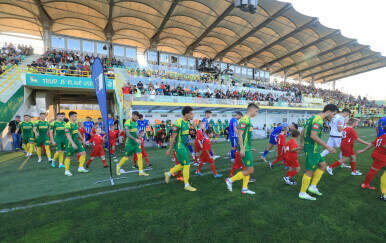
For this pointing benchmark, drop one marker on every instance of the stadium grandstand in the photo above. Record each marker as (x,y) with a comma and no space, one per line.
(158,57)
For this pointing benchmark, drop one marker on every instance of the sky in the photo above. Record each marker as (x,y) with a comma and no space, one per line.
(357,19)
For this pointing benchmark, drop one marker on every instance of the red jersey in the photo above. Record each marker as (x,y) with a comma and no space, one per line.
(113,135)
(93,131)
(349,135)
(97,141)
(379,151)
(142,144)
(206,146)
(292,156)
(281,143)
(82,131)
(199,136)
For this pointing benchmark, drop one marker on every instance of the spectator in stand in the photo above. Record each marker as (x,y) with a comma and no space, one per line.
(126,89)
(140,86)
(150,85)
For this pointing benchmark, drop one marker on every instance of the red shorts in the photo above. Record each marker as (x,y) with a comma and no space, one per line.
(97,152)
(205,158)
(197,147)
(113,143)
(347,150)
(292,163)
(378,163)
(144,154)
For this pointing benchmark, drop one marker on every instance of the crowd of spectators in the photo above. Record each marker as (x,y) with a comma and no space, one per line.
(293,93)
(163,74)
(69,63)
(12,55)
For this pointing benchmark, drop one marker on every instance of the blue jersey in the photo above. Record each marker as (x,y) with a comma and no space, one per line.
(233,127)
(142,125)
(381,124)
(111,121)
(205,120)
(277,130)
(88,125)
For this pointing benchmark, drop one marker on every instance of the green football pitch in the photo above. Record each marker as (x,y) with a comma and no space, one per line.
(39,204)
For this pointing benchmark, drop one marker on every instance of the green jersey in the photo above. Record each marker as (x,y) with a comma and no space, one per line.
(132,127)
(26,128)
(58,128)
(157,127)
(42,128)
(315,123)
(181,127)
(72,129)
(246,126)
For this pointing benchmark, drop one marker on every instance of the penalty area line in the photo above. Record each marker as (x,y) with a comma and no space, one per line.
(7,210)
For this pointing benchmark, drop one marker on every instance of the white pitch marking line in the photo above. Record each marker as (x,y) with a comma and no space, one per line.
(6,210)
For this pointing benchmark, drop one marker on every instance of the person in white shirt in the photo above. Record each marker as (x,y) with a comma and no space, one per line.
(338,123)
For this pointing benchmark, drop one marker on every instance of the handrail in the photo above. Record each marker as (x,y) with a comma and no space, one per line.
(6,72)
(58,71)
(118,80)
(10,82)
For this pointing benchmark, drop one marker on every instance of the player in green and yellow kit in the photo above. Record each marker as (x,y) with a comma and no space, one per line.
(41,134)
(132,144)
(244,132)
(179,141)
(58,139)
(73,144)
(310,139)
(27,136)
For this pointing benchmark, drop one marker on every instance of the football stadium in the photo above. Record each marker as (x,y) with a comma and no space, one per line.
(187,120)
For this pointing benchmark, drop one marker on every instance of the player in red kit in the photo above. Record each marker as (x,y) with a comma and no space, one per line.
(379,161)
(113,139)
(144,154)
(81,130)
(198,142)
(206,154)
(280,148)
(97,149)
(349,136)
(291,158)
(174,158)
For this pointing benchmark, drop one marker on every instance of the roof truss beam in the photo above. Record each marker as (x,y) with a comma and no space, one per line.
(301,49)
(348,70)
(154,40)
(109,26)
(194,45)
(303,27)
(315,56)
(342,65)
(254,30)
(330,60)
(43,15)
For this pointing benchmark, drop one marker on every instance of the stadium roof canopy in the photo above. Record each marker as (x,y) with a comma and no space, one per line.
(276,37)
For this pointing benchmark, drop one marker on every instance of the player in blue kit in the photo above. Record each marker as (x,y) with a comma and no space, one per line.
(233,134)
(379,128)
(205,120)
(142,124)
(273,137)
(88,126)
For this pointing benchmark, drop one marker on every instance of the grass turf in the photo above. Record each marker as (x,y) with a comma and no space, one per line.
(145,209)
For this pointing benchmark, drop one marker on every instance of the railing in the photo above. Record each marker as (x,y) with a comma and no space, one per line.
(200,100)
(7,83)
(60,72)
(6,72)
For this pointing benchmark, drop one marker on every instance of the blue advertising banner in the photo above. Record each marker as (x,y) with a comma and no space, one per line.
(98,79)
(62,81)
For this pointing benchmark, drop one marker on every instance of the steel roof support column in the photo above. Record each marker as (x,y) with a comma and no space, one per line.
(313,81)
(285,75)
(334,85)
(46,36)
(300,78)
